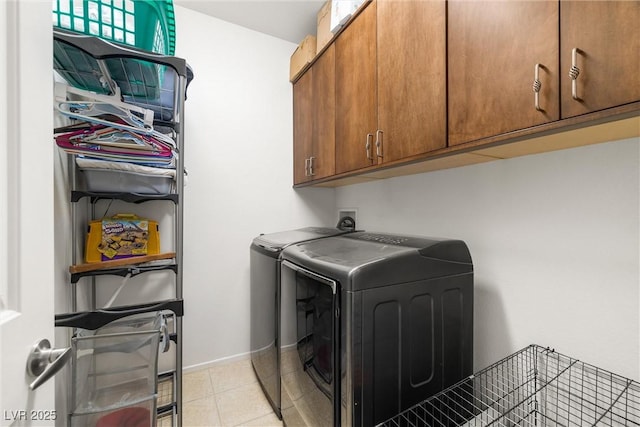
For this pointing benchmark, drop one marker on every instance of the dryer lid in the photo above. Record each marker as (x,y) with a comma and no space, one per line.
(275,242)
(364,260)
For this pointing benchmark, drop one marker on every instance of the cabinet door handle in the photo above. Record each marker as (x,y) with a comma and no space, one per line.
(379,143)
(367,146)
(311,172)
(574,72)
(306,166)
(537,85)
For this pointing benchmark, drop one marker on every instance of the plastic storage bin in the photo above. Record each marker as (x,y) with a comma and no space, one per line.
(144,24)
(134,77)
(99,180)
(97,249)
(114,371)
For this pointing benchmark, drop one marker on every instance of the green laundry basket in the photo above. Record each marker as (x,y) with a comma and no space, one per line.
(145,24)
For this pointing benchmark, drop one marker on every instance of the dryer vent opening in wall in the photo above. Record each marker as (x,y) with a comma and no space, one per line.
(350,212)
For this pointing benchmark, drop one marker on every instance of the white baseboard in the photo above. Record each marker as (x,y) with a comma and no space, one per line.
(228,359)
(217,362)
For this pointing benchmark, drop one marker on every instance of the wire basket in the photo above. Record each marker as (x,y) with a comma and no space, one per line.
(533,387)
(115,366)
(145,24)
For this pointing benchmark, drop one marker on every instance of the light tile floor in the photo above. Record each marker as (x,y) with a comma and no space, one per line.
(226,395)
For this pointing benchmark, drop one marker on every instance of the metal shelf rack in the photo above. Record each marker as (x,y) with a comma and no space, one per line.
(154,82)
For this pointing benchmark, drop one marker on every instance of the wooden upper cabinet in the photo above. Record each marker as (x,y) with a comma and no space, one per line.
(606,35)
(411,54)
(302,126)
(314,115)
(408,77)
(390,83)
(322,163)
(493,49)
(356,96)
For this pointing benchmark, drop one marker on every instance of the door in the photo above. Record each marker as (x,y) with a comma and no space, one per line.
(302,126)
(314,120)
(310,364)
(411,111)
(356,99)
(493,49)
(606,36)
(322,161)
(26,207)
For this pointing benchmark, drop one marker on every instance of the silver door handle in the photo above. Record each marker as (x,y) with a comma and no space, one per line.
(537,85)
(311,173)
(367,146)
(306,167)
(311,274)
(44,362)
(379,143)
(574,72)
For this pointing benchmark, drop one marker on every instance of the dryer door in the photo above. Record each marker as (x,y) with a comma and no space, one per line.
(309,326)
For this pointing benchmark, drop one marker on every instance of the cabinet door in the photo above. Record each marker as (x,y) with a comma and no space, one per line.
(324,115)
(356,100)
(493,48)
(411,77)
(302,126)
(607,36)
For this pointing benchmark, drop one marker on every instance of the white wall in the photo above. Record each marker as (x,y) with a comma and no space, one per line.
(554,240)
(239,158)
